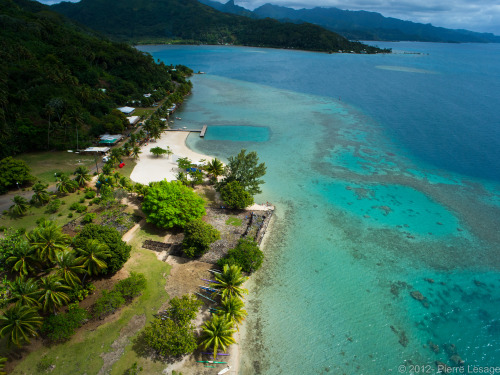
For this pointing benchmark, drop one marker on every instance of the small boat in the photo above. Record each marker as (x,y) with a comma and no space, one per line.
(214,271)
(209,289)
(224,370)
(210,362)
(212,281)
(201,295)
(213,353)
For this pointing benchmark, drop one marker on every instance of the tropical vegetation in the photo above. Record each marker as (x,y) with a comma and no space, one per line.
(198,236)
(171,204)
(192,22)
(229,282)
(246,255)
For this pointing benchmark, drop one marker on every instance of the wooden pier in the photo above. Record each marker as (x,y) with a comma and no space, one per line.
(203,131)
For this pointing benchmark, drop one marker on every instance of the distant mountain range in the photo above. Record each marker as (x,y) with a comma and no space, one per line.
(188,21)
(359,25)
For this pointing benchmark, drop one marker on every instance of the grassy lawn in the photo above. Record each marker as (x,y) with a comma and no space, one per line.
(234,221)
(60,217)
(44,164)
(143,111)
(130,163)
(82,353)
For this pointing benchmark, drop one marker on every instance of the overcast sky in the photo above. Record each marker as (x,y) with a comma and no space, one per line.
(475,15)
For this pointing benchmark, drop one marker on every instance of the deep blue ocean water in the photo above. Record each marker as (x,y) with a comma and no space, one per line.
(385,170)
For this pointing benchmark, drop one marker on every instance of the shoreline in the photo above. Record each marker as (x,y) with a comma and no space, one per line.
(150,168)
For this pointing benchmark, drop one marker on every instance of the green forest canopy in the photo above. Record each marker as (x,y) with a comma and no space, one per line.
(138,21)
(57,77)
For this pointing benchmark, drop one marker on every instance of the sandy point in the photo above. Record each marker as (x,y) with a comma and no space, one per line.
(151,168)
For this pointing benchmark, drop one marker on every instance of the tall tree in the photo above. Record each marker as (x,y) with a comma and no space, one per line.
(82,176)
(23,258)
(20,206)
(217,333)
(68,268)
(230,282)
(40,194)
(65,185)
(52,293)
(48,239)
(19,323)
(215,168)
(232,308)
(92,256)
(245,169)
(24,292)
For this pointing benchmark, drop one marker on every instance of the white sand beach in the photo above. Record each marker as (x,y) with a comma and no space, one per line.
(150,168)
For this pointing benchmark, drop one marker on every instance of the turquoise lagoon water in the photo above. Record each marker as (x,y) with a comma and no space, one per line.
(385,173)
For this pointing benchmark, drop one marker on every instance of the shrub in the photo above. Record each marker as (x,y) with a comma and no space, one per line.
(109,302)
(171,204)
(234,195)
(80,292)
(13,171)
(119,250)
(198,237)
(53,206)
(132,286)
(88,218)
(90,194)
(82,200)
(246,255)
(62,326)
(96,200)
(70,215)
(80,208)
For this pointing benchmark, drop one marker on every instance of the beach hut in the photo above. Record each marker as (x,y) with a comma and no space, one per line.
(126,110)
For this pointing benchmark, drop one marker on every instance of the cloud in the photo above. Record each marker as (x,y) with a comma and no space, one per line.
(477,15)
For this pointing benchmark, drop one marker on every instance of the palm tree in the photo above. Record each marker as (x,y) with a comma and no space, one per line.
(136,150)
(232,309)
(40,194)
(65,185)
(169,152)
(215,168)
(68,268)
(115,155)
(92,256)
(107,168)
(82,175)
(48,239)
(20,206)
(230,282)
(23,258)
(24,292)
(217,333)
(18,323)
(127,148)
(52,293)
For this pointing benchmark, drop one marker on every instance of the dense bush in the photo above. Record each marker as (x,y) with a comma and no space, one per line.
(246,255)
(88,218)
(108,303)
(90,194)
(13,171)
(174,335)
(61,327)
(78,207)
(171,204)
(132,286)
(119,250)
(234,195)
(198,237)
(53,206)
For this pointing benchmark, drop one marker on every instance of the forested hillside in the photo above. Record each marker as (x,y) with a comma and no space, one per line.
(190,21)
(359,25)
(57,79)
